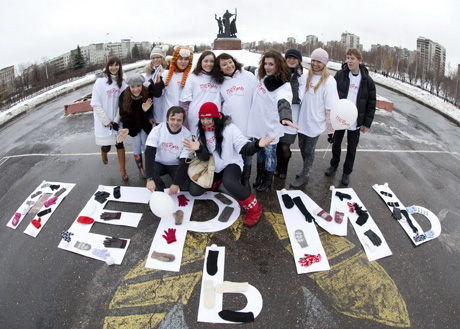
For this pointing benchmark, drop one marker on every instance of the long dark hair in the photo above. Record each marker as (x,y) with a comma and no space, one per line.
(126,108)
(283,72)
(217,74)
(198,67)
(218,132)
(111,61)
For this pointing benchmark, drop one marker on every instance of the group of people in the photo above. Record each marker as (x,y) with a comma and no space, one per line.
(222,109)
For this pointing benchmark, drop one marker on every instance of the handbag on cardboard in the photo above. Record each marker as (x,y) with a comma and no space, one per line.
(200,172)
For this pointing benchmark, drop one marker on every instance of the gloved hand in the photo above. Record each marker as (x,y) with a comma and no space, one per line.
(122,133)
(330,138)
(115,243)
(373,237)
(170,235)
(183,201)
(115,126)
(50,201)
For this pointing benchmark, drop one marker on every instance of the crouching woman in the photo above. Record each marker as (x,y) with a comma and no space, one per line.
(225,142)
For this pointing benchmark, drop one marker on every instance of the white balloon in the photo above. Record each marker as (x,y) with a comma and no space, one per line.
(343,114)
(161,204)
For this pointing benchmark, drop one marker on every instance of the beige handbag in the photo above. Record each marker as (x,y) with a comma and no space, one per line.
(200,172)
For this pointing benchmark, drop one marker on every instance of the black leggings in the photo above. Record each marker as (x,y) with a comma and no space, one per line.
(230,179)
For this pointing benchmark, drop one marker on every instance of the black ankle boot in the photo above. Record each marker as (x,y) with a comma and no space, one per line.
(267,181)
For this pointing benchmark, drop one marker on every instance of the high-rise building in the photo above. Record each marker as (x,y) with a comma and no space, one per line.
(349,40)
(7,76)
(431,56)
(311,39)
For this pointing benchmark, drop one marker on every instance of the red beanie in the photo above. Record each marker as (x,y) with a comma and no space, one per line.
(209,110)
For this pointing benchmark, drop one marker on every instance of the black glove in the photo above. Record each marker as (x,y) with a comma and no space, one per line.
(342,196)
(110,215)
(404,212)
(298,202)
(101,196)
(44,212)
(115,243)
(373,237)
(396,213)
(287,200)
(363,215)
(330,138)
(115,126)
(54,187)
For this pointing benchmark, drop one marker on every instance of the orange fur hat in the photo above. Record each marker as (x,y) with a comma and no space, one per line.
(180,52)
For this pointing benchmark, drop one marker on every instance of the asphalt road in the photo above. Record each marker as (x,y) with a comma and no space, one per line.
(414,149)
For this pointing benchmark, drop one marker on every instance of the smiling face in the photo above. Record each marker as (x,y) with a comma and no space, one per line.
(207,122)
(269,66)
(317,66)
(136,90)
(227,66)
(353,63)
(175,121)
(156,60)
(114,68)
(292,61)
(207,64)
(182,63)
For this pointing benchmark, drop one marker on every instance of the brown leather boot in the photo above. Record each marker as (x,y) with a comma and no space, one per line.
(122,161)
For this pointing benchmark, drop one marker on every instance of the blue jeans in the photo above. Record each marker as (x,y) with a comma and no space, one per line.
(267,155)
(139,142)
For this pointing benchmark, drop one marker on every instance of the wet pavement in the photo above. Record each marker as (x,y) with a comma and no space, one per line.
(414,149)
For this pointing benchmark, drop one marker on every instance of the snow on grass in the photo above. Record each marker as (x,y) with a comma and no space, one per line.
(246,58)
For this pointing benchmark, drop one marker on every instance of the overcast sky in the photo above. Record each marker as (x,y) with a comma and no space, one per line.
(32,30)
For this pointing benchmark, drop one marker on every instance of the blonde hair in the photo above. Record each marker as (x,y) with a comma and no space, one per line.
(324,76)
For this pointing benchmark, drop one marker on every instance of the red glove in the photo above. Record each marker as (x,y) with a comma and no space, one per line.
(183,201)
(37,223)
(170,235)
(351,207)
(51,201)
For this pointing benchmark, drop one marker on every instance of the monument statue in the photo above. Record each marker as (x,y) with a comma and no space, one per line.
(219,23)
(226,37)
(229,29)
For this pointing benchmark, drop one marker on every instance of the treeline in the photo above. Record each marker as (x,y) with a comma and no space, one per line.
(392,62)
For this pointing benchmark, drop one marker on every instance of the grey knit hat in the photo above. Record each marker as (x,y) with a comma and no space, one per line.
(135,79)
(159,51)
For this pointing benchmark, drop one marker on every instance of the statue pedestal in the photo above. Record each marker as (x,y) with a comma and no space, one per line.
(227,44)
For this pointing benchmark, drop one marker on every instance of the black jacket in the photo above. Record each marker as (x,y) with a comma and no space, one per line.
(365,102)
(137,119)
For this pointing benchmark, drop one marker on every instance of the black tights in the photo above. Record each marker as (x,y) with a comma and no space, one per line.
(106,148)
(230,179)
